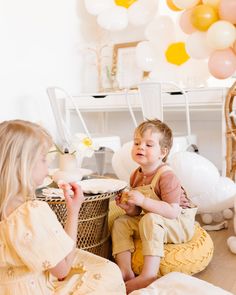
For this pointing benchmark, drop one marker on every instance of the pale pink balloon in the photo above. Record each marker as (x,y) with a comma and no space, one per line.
(185,22)
(222,63)
(227,10)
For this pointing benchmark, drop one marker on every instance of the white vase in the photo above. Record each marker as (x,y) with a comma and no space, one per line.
(68,163)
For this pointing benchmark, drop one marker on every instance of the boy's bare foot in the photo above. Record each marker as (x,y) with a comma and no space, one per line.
(138,283)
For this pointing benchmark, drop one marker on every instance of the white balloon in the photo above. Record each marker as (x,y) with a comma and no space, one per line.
(196,45)
(145,56)
(122,163)
(161,31)
(113,19)
(221,35)
(207,218)
(194,73)
(221,196)
(196,173)
(228,213)
(141,12)
(164,71)
(95,7)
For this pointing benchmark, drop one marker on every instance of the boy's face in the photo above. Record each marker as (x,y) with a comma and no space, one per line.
(146,150)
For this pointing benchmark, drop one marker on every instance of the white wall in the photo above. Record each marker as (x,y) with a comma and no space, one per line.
(39,48)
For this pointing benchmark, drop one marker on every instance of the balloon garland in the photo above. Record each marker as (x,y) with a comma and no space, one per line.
(210,25)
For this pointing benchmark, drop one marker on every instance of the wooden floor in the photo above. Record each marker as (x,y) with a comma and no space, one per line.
(222,269)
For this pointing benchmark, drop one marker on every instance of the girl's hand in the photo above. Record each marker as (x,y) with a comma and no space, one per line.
(135,198)
(74,196)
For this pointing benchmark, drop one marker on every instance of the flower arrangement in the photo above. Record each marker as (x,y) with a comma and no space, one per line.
(71,156)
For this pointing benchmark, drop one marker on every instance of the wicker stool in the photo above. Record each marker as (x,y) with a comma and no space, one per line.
(230,133)
(93,234)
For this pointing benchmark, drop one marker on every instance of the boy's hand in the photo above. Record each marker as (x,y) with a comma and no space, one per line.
(130,209)
(135,198)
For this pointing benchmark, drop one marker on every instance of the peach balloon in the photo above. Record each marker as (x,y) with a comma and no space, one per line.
(222,63)
(185,22)
(227,10)
(203,16)
(234,47)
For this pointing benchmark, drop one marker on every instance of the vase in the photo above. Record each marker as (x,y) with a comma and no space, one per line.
(68,163)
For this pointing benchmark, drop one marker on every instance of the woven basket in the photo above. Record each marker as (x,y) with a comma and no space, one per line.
(230,133)
(93,234)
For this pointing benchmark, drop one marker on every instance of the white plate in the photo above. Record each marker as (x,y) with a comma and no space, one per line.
(46,182)
(81,171)
(99,186)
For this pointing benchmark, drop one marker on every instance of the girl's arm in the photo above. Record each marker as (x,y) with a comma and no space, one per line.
(73,204)
(155,206)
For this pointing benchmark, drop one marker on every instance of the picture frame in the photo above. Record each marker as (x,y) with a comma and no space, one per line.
(125,71)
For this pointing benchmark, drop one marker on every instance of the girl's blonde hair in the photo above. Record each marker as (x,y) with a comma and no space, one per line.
(21,144)
(166,140)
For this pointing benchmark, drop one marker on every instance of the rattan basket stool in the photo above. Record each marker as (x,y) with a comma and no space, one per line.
(93,234)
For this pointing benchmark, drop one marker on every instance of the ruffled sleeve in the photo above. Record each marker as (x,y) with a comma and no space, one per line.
(37,236)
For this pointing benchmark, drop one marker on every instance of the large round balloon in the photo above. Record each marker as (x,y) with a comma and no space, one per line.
(197,47)
(203,16)
(221,34)
(196,173)
(234,47)
(141,12)
(95,7)
(185,22)
(213,3)
(161,31)
(145,56)
(220,197)
(222,63)
(176,53)
(227,10)
(113,19)
(124,3)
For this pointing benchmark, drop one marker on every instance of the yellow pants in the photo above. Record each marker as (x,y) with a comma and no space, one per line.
(153,230)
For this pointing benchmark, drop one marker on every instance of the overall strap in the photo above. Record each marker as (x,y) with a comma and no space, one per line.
(158,174)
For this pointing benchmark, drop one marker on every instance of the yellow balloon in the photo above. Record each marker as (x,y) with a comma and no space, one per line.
(171,5)
(213,3)
(125,3)
(176,53)
(203,16)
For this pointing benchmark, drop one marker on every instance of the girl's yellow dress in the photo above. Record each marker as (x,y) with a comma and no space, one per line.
(32,240)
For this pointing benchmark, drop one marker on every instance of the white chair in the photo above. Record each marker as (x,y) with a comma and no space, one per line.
(151,98)
(111,142)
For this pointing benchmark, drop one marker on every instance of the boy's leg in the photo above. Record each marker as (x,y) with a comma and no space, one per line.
(123,231)
(123,260)
(148,275)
